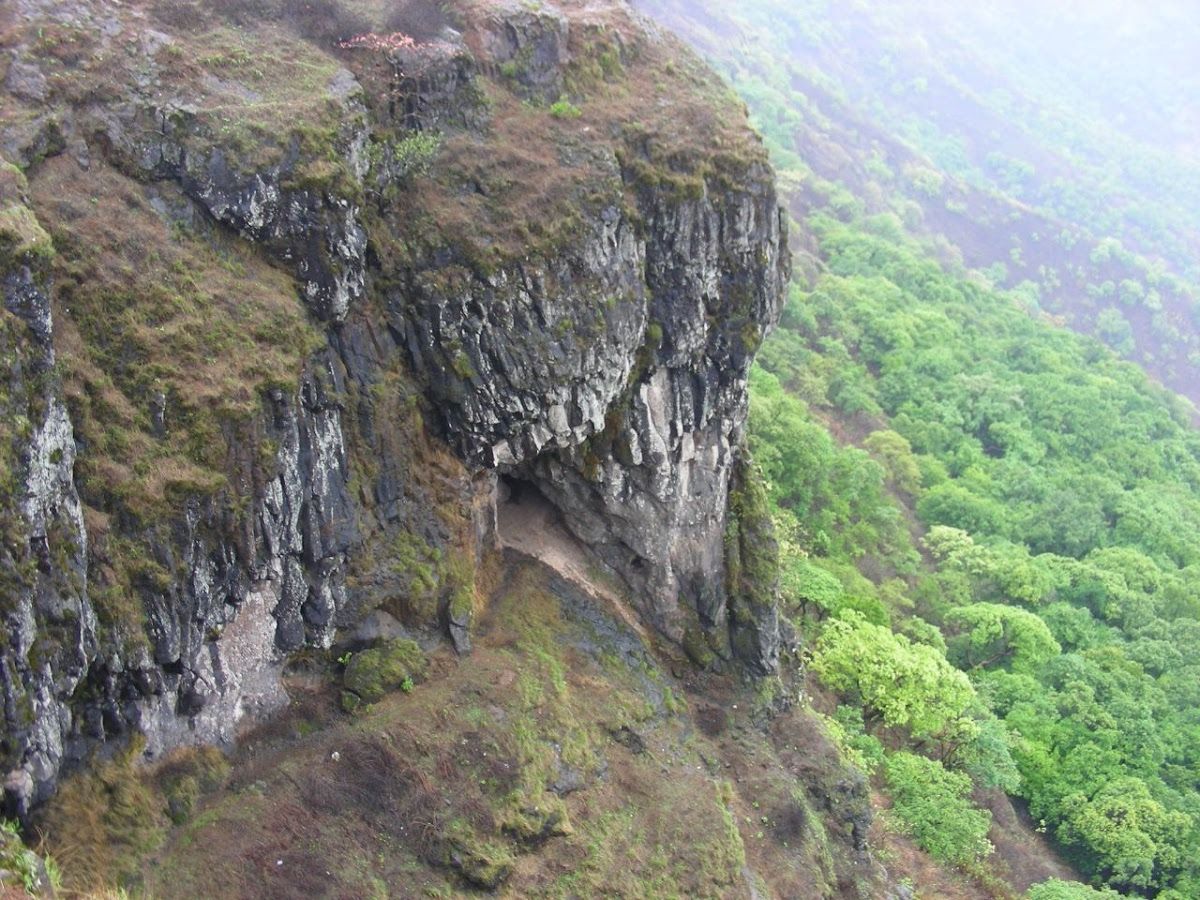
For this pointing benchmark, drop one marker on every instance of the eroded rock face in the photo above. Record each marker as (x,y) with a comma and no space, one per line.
(50,622)
(613,374)
(650,496)
(216,636)
(532,42)
(607,366)
(219,636)
(314,231)
(318,232)
(531,359)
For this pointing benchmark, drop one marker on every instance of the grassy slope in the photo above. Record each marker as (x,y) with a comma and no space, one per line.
(677,787)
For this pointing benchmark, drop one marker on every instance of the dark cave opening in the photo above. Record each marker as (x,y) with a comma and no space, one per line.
(513,490)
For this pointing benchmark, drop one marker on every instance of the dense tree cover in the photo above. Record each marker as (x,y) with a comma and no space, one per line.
(954,478)
(934,805)
(1055,889)
(1057,493)
(992,633)
(986,128)
(899,682)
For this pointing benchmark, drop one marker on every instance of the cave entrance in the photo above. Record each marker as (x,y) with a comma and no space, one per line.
(527,522)
(524,515)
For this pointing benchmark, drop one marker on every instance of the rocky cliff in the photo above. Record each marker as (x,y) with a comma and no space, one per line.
(296,293)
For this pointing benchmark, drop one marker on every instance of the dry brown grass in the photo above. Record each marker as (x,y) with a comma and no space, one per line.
(100,824)
(144,307)
(451,758)
(530,184)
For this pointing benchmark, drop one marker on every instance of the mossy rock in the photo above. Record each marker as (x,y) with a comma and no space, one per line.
(535,823)
(373,673)
(21,234)
(483,864)
(695,645)
(418,570)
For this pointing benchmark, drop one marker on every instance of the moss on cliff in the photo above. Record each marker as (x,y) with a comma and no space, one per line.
(22,238)
(169,333)
(19,567)
(751,559)
(529,183)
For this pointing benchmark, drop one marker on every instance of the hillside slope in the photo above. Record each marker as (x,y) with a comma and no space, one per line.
(289,289)
(378,514)
(986,520)
(991,132)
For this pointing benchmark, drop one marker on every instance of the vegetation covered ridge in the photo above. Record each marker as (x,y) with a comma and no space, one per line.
(989,131)
(1002,577)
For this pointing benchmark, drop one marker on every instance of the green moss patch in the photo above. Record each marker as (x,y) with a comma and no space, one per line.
(168,334)
(159,314)
(371,674)
(21,234)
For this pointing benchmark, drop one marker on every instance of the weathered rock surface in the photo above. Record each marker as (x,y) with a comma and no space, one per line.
(650,496)
(603,359)
(49,622)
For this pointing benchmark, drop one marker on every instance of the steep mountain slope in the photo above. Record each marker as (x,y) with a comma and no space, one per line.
(1020,142)
(375,412)
(377,510)
(288,290)
(560,759)
(959,483)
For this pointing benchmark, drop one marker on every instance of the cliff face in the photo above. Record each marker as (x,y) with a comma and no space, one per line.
(311,302)
(50,625)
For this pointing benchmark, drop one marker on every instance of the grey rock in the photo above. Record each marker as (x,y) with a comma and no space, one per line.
(377,627)
(26,81)
(530,44)
(530,365)
(44,570)
(318,233)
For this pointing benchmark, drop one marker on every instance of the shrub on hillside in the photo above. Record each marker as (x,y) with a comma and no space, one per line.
(934,806)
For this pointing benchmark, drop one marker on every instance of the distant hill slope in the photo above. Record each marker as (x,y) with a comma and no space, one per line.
(1053,153)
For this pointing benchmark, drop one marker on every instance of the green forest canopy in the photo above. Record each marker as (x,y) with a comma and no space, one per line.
(1058,495)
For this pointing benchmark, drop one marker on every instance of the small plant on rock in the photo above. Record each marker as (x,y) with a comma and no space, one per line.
(562,108)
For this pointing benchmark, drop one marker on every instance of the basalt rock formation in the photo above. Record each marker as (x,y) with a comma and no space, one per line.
(287,294)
